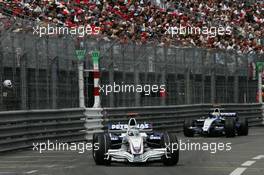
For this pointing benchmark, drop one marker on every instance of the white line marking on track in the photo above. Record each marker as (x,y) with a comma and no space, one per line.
(258,157)
(238,171)
(31,172)
(248,163)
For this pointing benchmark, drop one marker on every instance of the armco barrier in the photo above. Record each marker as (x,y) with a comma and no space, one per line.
(19,129)
(93,122)
(171,118)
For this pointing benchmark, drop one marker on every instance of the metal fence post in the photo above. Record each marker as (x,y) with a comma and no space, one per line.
(136,77)
(23,84)
(226,78)
(246,98)
(125,99)
(15,98)
(163,75)
(203,78)
(236,86)
(187,86)
(47,74)
(68,70)
(54,81)
(187,79)
(213,87)
(111,76)
(37,74)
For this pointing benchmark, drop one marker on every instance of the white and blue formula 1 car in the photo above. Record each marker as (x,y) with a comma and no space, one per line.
(217,123)
(134,143)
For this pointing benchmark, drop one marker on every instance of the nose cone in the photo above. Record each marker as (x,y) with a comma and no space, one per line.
(136,145)
(207,124)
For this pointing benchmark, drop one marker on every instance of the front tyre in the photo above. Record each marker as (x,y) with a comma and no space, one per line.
(186,128)
(243,128)
(171,143)
(102,142)
(230,127)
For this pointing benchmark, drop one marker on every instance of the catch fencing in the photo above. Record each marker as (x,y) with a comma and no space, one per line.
(44,73)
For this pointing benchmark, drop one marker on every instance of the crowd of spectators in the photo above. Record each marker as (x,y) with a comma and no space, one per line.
(142,21)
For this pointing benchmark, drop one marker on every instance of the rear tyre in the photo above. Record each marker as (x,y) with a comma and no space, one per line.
(186,128)
(101,144)
(243,129)
(230,127)
(170,142)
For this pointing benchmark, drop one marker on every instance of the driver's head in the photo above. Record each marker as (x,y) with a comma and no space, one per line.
(216,112)
(133,132)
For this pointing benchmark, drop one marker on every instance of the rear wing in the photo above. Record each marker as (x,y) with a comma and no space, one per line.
(228,114)
(225,114)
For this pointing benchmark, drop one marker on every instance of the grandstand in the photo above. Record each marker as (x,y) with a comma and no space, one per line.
(134,48)
(145,21)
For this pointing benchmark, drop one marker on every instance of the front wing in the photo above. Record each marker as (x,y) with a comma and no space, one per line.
(119,155)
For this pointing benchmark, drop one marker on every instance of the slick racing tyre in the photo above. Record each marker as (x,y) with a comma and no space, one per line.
(243,128)
(230,127)
(186,128)
(102,142)
(170,142)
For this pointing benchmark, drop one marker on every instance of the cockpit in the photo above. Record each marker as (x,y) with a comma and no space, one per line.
(216,113)
(133,132)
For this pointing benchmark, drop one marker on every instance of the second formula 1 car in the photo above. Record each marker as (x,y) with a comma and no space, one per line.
(134,143)
(217,123)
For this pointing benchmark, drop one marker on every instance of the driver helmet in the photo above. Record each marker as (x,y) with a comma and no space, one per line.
(7,84)
(133,132)
(216,112)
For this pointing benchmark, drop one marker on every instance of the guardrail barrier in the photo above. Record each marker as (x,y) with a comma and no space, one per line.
(19,129)
(171,118)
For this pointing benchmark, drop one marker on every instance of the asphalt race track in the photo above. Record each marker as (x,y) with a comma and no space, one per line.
(246,158)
